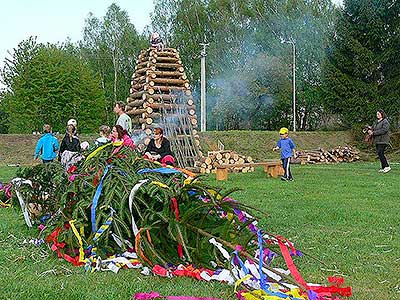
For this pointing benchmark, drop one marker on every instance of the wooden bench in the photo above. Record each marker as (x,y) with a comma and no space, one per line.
(273,168)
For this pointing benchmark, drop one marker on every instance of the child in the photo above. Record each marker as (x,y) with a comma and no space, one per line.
(104,136)
(287,151)
(47,146)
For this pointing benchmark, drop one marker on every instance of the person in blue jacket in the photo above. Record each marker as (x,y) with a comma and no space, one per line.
(47,146)
(288,150)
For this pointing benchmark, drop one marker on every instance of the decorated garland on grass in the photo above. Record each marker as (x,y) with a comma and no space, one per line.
(116,209)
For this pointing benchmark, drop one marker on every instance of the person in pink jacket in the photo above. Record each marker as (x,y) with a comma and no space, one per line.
(118,134)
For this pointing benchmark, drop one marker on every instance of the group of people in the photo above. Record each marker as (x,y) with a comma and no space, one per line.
(378,133)
(159,148)
(69,153)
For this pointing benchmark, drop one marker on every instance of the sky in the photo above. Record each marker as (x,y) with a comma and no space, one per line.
(56,20)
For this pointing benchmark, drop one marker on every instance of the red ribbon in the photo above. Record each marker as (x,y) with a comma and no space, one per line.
(320,290)
(175,208)
(57,246)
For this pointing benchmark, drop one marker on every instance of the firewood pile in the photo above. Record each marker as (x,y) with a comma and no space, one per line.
(214,158)
(160,92)
(337,154)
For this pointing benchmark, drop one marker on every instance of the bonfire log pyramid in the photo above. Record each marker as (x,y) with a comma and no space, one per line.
(160,96)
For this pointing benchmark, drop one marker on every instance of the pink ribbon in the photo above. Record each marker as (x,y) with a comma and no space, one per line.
(155,295)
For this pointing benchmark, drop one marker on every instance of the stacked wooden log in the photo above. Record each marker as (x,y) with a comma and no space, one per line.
(157,84)
(337,154)
(224,157)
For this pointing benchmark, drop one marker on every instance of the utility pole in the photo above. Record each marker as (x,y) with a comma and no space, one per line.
(203,120)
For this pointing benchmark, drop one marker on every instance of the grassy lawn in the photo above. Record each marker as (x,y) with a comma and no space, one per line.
(344,215)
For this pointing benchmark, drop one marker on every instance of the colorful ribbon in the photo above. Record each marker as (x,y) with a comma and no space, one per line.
(96,198)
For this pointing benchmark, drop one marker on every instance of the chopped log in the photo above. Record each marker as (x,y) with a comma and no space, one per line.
(147,110)
(168,74)
(146,121)
(138,79)
(170,106)
(161,97)
(134,102)
(170,88)
(144,70)
(177,67)
(169,59)
(167,53)
(137,95)
(171,81)
(146,64)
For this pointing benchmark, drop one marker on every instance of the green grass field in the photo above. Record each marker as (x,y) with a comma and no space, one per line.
(344,215)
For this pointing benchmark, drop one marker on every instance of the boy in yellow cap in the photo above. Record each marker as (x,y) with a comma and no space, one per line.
(288,149)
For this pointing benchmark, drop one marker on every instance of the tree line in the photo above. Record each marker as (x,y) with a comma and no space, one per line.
(347,64)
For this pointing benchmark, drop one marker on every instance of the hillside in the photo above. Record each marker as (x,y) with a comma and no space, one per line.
(19,148)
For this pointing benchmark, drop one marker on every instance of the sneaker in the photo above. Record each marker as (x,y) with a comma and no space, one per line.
(284,178)
(387,169)
(291,179)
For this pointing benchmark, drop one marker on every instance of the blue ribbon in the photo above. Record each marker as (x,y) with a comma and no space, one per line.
(263,283)
(159,170)
(264,286)
(245,270)
(96,198)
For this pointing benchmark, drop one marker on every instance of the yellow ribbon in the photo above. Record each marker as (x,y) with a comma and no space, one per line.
(160,184)
(81,253)
(97,150)
(262,295)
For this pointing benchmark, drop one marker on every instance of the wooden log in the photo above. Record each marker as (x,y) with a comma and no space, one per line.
(144,70)
(170,106)
(170,81)
(177,67)
(161,97)
(137,79)
(169,59)
(134,102)
(139,86)
(146,64)
(168,74)
(138,95)
(167,53)
(146,121)
(167,49)
(169,88)
(140,111)
(193,121)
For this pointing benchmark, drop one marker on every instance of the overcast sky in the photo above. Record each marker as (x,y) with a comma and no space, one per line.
(55,20)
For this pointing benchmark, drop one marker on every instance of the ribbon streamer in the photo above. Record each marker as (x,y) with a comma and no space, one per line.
(96,198)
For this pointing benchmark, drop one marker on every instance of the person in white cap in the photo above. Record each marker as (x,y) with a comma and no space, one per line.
(72,122)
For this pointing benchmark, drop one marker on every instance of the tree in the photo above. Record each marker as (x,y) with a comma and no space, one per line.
(361,73)
(52,85)
(111,46)
(241,33)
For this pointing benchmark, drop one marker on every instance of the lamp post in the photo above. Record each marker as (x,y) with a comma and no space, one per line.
(203,106)
(294,80)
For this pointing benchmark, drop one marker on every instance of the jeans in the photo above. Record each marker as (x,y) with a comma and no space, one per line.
(380,149)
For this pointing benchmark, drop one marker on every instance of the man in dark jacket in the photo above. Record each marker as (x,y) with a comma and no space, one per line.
(380,132)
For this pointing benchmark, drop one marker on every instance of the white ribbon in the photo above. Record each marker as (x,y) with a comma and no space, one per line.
(17,182)
(131,196)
